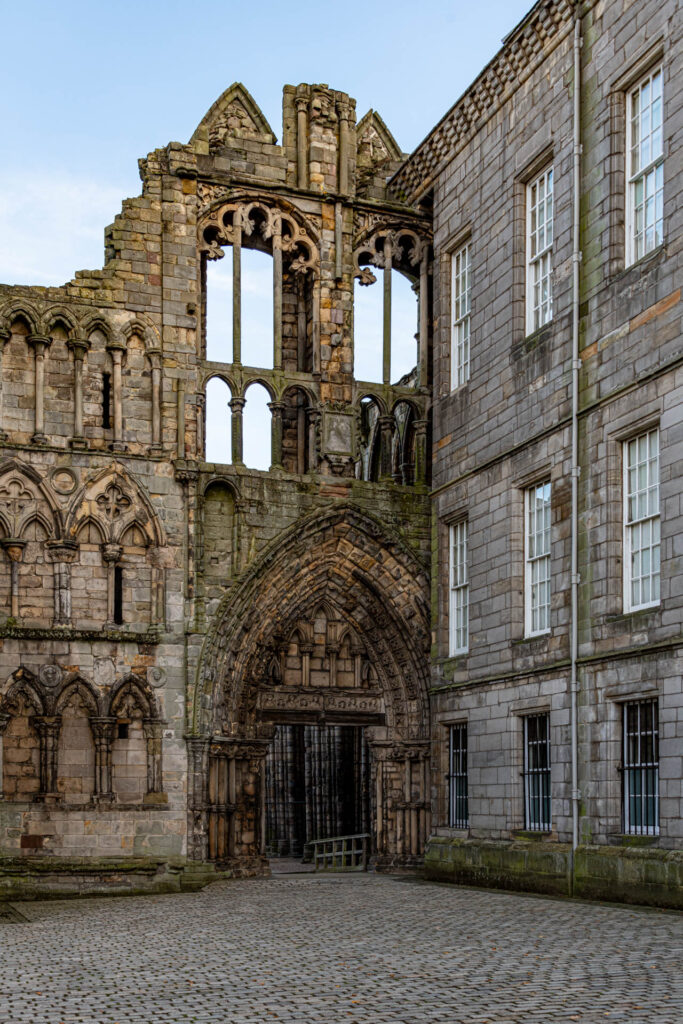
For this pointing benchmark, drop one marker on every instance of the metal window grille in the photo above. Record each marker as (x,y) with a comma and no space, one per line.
(539,250)
(457,778)
(645,166)
(537,802)
(537,574)
(460,317)
(459,590)
(641,768)
(641,521)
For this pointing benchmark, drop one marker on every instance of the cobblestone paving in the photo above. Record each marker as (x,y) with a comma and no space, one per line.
(339,950)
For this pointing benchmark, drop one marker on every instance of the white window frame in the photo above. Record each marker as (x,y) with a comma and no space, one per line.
(460,316)
(646,520)
(458,589)
(539,260)
(537,564)
(651,173)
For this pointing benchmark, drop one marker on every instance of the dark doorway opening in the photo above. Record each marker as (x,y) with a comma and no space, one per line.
(317,786)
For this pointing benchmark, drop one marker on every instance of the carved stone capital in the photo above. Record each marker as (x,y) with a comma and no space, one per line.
(13,547)
(111,553)
(39,343)
(64,551)
(237,404)
(79,346)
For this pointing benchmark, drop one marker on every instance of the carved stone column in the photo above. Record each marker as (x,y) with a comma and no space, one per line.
(197,786)
(237,286)
(4,722)
(343,173)
(116,351)
(301,140)
(314,419)
(424,310)
(80,348)
(277,293)
(187,474)
(5,336)
(14,549)
(306,650)
(386,427)
(421,453)
(47,727)
(236,409)
(276,410)
(153,731)
(103,737)
(386,322)
(111,553)
(40,345)
(333,653)
(180,421)
(155,362)
(62,554)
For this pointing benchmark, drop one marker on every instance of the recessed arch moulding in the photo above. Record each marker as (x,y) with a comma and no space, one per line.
(344,568)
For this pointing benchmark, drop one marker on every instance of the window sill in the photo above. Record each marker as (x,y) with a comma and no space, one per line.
(633,841)
(524,835)
(451,832)
(655,256)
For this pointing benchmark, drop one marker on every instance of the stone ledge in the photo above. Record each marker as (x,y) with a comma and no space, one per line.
(33,878)
(618,874)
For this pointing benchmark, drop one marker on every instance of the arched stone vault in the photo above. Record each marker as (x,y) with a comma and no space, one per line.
(343,556)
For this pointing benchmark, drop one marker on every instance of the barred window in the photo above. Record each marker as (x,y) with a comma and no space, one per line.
(459,812)
(460,317)
(458,612)
(641,521)
(537,559)
(645,167)
(641,768)
(536,774)
(539,250)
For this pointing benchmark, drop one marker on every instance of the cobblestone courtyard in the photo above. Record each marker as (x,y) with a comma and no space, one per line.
(304,949)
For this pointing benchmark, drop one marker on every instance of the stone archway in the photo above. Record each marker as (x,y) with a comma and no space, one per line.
(376,592)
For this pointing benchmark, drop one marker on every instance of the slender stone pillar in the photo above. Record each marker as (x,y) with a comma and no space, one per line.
(62,554)
(111,553)
(277,294)
(197,787)
(236,409)
(152,729)
(80,348)
(316,326)
(343,179)
(386,340)
(306,650)
(47,728)
(40,345)
(313,416)
(301,140)
(338,241)
(386,426)
(154,355)
(424,307)
(276,410)
(116,351)
(14,549)
(180,436)
(4,722)
(103,737)
(421,454)
(5,336)
(237,286)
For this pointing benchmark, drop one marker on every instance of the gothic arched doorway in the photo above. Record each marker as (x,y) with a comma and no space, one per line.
(328,629)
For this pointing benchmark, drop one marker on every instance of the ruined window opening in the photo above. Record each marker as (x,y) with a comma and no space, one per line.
(296,426)
(118,595)
(369,462)
(367,332)
(219,308)
(218,422)
(257,429)
(404,311)
(122,731)
(106,401)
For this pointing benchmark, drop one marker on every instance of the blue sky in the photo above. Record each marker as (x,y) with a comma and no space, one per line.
(86,88)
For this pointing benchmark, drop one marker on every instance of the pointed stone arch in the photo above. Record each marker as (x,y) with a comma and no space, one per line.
(18,509)
(113,500)
(343,560)
(235,114)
